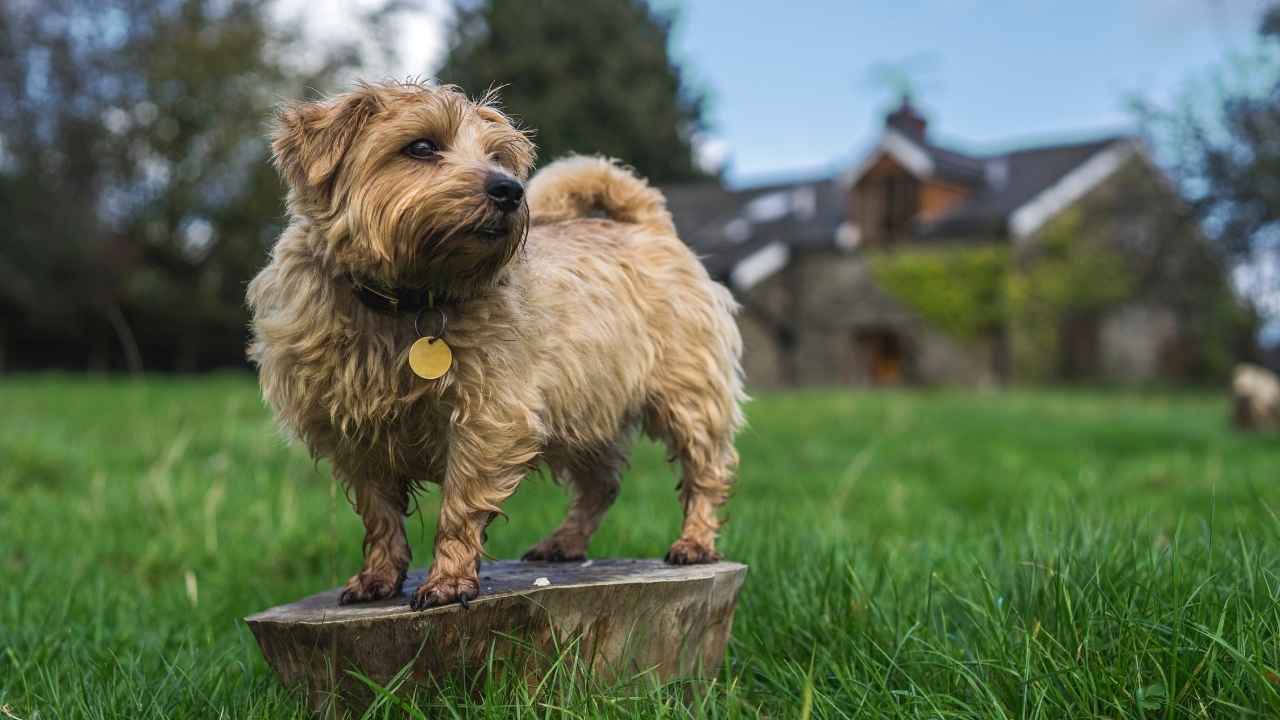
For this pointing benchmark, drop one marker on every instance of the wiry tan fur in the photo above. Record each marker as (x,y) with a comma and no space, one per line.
(568,332)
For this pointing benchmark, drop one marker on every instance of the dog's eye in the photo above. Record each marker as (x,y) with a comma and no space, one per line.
(421,149)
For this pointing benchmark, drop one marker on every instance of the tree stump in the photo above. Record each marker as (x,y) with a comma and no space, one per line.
(623,617)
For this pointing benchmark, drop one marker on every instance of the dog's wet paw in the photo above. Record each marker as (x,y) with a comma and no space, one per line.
(689,552)
(444,590)
(367,587)
(555,550)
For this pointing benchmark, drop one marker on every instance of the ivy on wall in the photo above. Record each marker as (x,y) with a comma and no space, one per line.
(1066,274)
(1035,294)
(1221,331)
(972,290)
(961,291)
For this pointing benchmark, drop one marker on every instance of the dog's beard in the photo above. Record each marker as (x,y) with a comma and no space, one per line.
(466,255)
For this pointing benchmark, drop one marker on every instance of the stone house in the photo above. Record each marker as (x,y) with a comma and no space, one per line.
(807,261)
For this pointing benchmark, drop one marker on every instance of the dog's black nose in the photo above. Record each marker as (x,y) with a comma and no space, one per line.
(505,191)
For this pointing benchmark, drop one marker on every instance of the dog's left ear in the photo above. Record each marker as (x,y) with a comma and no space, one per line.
(310,139)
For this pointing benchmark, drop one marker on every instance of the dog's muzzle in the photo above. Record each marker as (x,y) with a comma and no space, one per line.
(504,191)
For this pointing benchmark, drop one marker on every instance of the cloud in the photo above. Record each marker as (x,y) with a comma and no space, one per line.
(418,43)
(711,153)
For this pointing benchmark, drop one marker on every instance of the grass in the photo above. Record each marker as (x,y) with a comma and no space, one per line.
(933,555)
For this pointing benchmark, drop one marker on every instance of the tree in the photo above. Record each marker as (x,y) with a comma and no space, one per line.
(1225,152)
(135,193)
(593,77)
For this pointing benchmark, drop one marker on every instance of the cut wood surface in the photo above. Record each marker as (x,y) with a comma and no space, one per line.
(627,616)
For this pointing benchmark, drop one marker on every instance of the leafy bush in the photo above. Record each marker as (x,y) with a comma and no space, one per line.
(959,290)
(1066,274)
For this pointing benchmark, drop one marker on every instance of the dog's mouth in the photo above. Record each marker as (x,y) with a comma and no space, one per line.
(492,231)
(462,253)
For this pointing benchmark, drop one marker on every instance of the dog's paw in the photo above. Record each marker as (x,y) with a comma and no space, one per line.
(689,552)
(555,549)
(367,587)
(444,590)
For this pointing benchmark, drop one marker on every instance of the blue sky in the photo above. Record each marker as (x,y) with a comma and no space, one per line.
(793,89)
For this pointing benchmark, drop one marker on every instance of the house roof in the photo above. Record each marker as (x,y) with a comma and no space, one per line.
(726,228)
(1010,181)
(743,235)
(956,167)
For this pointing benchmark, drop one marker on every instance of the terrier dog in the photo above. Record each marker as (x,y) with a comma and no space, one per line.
(572,311)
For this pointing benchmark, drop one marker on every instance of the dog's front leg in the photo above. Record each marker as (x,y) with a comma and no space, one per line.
(381,505)
(486,464)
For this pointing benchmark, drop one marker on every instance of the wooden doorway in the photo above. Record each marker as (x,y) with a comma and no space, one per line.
(884,356)
(1081,347)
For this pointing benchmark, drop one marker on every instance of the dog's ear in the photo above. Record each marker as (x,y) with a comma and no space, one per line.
(310,139)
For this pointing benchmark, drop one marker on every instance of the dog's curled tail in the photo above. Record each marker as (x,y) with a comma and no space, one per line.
(581,186)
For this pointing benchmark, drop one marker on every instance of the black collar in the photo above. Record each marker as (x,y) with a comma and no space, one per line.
(396,300)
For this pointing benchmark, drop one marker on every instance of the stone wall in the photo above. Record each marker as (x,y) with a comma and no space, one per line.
(1162,326)
(1133,340)
(762,354)
(828,301)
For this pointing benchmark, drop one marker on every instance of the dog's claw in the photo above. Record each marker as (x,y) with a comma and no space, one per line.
(688,552)
(444,591)
(366,587)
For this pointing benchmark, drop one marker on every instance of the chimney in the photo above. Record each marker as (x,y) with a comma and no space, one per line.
(907,120)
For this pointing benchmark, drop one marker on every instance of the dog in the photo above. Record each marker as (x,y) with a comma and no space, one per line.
(573,315)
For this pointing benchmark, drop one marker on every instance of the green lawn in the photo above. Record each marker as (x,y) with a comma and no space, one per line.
(1023,554)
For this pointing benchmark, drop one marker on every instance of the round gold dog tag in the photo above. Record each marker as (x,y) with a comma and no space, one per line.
(430,357)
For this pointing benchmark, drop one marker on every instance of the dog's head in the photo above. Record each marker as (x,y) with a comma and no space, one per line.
(410,183)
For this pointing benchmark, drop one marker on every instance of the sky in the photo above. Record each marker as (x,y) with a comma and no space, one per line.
(798,88)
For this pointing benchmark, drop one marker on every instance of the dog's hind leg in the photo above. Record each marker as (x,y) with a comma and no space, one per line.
(698,429)
(594,479)
(381,505)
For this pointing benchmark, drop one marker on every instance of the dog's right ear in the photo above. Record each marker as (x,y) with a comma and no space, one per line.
(310,139)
